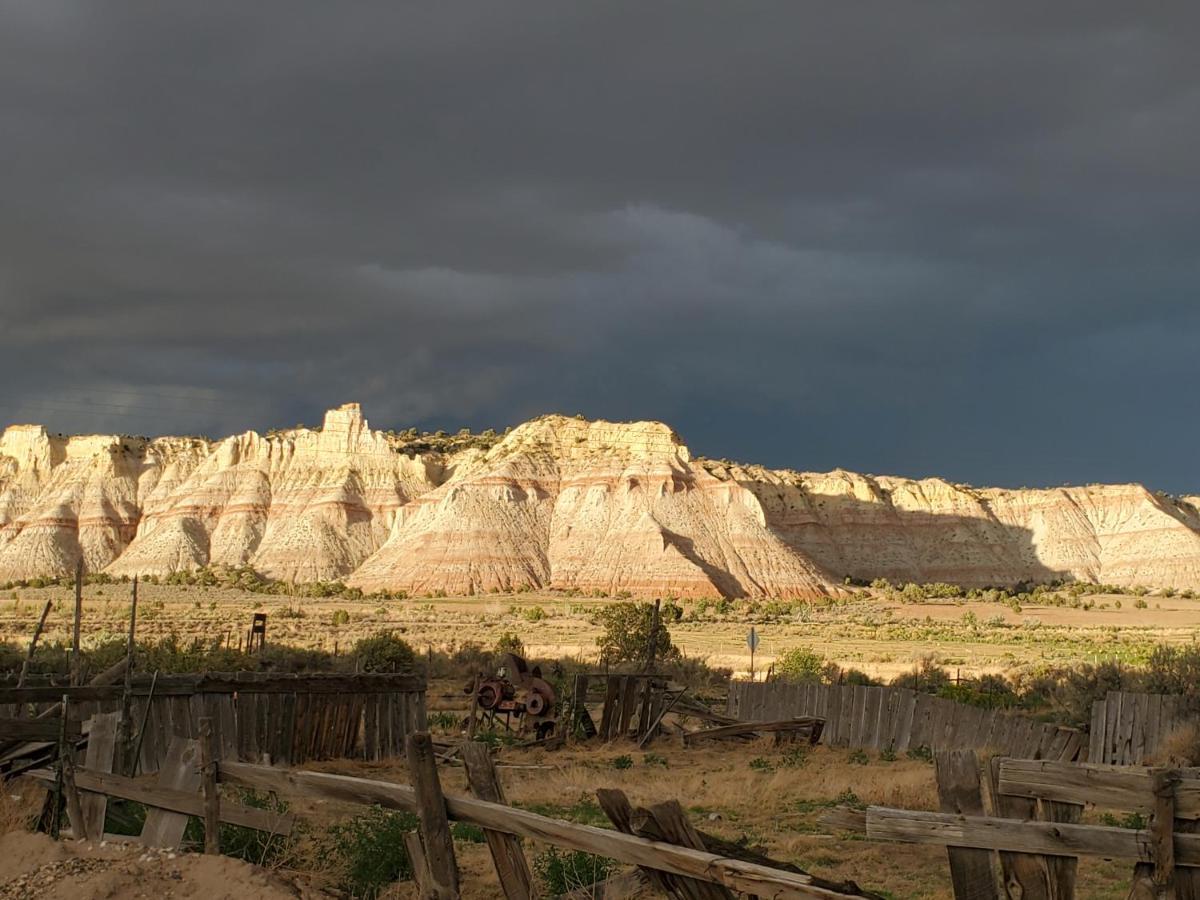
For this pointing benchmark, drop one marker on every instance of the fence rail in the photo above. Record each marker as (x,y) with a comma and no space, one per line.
(878,718)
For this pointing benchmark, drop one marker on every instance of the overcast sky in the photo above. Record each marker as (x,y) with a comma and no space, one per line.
(925,238)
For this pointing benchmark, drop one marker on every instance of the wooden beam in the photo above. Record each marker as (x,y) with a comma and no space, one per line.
(33,641)
(416,860)
(740,876)
(185,802)
(48,729)
(1053,838)
(209,752)
(441,865)
(1162,829)
(184,686)
(798,723)
(180,772)
(1121,788)
(101,746)
(511,866)
(971,872)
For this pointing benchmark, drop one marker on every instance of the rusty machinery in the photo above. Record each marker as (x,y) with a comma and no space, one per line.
(517,691)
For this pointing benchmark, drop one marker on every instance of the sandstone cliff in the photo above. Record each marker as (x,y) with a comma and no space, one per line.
(559,502)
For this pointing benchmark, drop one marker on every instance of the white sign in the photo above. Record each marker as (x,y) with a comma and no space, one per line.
(752,640)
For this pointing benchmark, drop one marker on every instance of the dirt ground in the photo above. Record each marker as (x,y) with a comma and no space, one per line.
(34,867)
(878,635)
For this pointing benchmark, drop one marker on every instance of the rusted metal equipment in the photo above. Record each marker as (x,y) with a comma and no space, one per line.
(516,692)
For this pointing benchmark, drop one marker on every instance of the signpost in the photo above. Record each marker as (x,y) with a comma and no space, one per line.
(752,643)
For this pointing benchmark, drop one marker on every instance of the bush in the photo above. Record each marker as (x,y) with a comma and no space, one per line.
(368,851)
(384,652)
(626,634)
(340,617)
(562,871)
(510,642)
(800,664)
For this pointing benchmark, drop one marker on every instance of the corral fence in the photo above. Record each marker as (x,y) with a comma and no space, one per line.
(1129,729)
(257,717)
(900,719)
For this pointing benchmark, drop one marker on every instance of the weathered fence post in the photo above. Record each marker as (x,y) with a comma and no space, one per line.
(208,775)
(1156,880)
(511,866)
(440,865)
(958,787)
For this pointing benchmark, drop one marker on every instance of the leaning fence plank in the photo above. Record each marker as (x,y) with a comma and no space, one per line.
(511,866)
(441,865)
(180,772)
(102,745)
(958,786)
(742,876)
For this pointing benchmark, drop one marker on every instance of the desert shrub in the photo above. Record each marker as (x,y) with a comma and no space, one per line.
(626,633)
(562,871)
(384,652)
(1179,748)
(800,664)
(340,617)
(368,853)
(510,642)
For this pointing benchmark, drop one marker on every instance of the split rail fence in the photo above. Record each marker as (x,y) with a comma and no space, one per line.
(1011,826)
(879,718)
(281,719)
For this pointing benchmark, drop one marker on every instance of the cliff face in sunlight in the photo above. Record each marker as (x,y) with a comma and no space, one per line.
(559,502)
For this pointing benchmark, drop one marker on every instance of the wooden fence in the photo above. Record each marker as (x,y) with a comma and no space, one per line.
(1012,828)
(878,718)
(283,719)
(1129,729)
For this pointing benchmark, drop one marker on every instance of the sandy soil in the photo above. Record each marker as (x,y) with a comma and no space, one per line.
(34,867)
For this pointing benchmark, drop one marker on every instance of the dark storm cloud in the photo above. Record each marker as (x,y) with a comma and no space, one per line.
(917,238)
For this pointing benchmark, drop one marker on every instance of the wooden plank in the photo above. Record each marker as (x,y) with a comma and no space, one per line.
(441,865)
(141,791)
(612,699)
(904,720)
(1096,732)
(735,874)
(40,729)
(416,858)
(799,724)
(209,752)
(180,772)
(988,833)
(1126,789)
(667,823)
(99,757)
(511,866)
(872,701)
(1023,874)
(629,702)
(958,786)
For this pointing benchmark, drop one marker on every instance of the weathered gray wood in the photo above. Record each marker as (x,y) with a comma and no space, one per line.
(989,833)
(416,858)
(41,729)
(806,723)
(209,753)
(100,756)
(180,772)
(190,804)
(1127,789)
(441,865)
(971,873)
(735,874)
(511,866)
(667,822)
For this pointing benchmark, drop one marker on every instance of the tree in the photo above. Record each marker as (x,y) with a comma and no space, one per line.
(626,636)
(800,664)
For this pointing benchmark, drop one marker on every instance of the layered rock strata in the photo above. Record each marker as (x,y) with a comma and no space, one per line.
(558,503)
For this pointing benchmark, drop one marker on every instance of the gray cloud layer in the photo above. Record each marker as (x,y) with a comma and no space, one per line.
(919,238)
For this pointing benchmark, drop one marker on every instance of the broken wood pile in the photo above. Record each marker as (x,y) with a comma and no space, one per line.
(1011,826)
(807,728)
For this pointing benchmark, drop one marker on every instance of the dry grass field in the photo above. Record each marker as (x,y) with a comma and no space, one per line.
(876,634)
